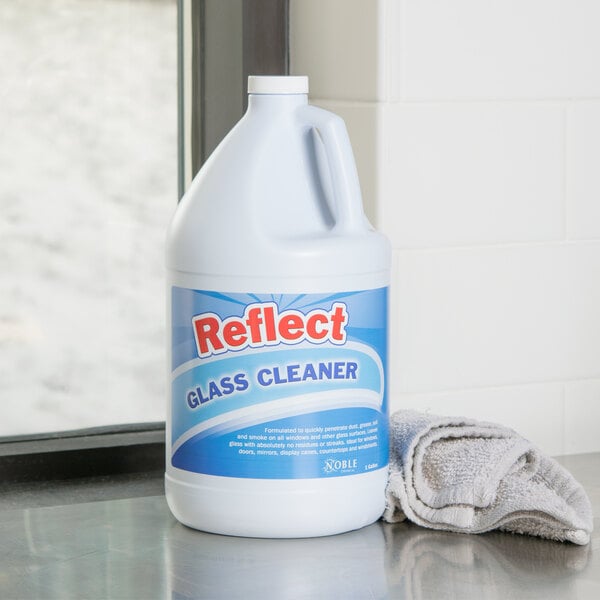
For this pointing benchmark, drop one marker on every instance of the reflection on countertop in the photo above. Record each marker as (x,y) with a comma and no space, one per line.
(133,548)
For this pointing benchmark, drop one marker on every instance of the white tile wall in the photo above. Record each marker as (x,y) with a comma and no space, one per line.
(582,416)
(501,49)
(535,411)
(472,173)
(583,170)
(497,316)
(476,128)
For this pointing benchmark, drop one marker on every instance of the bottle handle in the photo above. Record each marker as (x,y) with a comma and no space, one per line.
(349,215)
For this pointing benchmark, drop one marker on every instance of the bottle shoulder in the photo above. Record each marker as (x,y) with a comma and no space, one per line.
(259,205)
(247,254)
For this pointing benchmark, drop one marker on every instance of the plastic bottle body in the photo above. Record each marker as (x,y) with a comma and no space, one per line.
(274,507)
(277,304)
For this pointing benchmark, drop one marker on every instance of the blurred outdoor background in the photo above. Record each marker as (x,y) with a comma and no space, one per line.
(88,182)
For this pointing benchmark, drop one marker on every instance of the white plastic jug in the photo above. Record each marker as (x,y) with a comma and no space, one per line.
(277,424)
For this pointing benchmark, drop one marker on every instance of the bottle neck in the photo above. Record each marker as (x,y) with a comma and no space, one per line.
(276,102)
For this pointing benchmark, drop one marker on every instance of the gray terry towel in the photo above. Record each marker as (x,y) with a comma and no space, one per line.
(467,476)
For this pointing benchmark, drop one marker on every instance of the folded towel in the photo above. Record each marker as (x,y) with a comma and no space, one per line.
(466,476)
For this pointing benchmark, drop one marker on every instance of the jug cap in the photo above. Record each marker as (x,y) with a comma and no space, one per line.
(277,84)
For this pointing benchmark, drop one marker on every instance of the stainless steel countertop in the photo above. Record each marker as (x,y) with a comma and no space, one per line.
(134,548)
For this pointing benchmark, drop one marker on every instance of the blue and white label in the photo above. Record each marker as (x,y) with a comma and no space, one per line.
(279,386)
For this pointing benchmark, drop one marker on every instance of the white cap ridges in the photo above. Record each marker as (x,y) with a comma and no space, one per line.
(277,84)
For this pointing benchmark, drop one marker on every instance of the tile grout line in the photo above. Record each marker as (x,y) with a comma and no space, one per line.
(428,102)
(556,100)
(565,174)
(562,382)
(401,48)
(381,162)
(497,245)
(564,417)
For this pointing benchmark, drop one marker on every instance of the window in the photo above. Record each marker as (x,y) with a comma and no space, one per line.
(88,182)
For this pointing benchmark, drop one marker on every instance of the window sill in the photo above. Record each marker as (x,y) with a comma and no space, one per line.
(82,466)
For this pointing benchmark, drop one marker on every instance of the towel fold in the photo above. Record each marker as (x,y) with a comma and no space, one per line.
(467,476)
